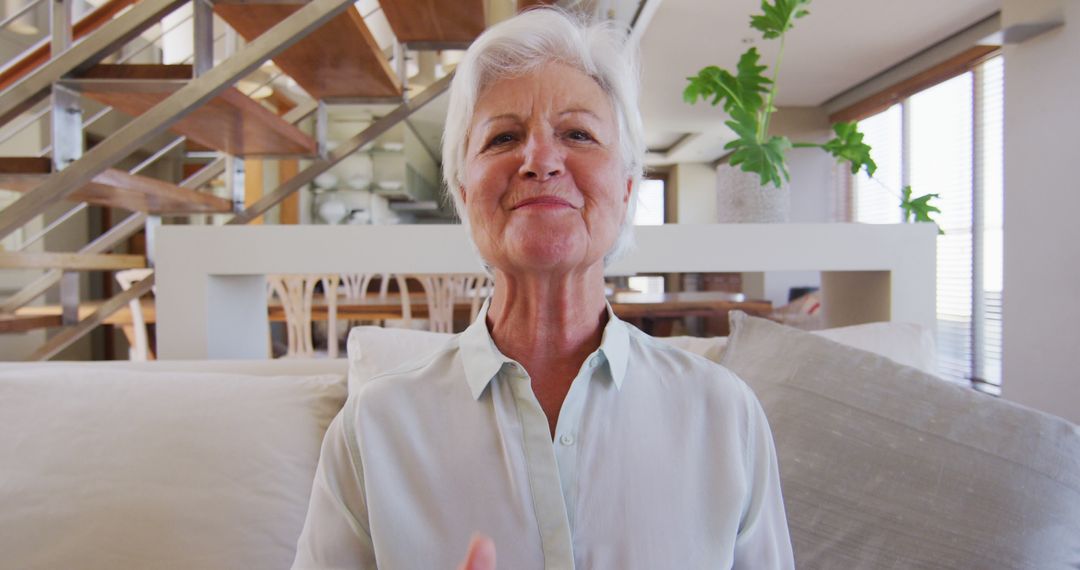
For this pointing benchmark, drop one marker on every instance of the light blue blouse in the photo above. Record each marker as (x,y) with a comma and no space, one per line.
(661,459)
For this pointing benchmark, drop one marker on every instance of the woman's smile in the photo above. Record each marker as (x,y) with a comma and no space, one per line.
(543,203)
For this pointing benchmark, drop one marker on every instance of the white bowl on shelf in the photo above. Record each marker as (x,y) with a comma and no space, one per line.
(326,180)
(333,211)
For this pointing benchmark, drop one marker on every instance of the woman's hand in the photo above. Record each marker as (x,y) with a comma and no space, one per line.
(481,554)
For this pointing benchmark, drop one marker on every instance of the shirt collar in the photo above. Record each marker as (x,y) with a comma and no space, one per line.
(482,359)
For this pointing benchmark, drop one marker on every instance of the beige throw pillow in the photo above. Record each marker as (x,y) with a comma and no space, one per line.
(884,466)
(103,468)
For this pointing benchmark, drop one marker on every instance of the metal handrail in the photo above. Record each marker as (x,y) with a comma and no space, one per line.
(105,111)
(37,116)
(137,169)
(101,113)
(22,11)
(53,225)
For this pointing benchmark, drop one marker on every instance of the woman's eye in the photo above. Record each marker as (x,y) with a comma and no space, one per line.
(578,135)
(500,139)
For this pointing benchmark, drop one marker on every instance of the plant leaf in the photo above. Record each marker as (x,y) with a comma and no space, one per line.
(743,91)
(778,17)
(919,208)
(848,145)
(766,159)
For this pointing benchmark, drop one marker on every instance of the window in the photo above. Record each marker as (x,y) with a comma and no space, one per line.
(650,203)
(947,140)
(650,212)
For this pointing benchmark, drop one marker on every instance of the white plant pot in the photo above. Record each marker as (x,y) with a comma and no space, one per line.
(741,199)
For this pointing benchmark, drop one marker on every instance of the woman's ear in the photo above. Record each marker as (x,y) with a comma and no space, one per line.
(461,192)
(629,190)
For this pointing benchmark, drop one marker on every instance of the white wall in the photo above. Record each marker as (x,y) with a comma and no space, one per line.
(1042,201)
(695,185)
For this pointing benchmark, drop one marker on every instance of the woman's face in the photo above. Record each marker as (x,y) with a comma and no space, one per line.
(545,188)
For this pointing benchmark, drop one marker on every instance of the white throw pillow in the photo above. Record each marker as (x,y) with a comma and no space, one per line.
(375,350)
(904,343)
(107,468)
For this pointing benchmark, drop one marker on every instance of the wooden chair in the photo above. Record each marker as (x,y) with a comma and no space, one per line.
(444,291)
(355,289)
(136,333)
(297,295)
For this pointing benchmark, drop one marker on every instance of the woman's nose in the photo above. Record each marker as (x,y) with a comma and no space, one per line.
(542,158)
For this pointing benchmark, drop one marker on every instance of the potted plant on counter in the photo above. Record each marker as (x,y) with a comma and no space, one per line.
(748,96)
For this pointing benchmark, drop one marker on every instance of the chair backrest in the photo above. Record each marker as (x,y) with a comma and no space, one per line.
(297,296)
(444,291)
(355,288)
(355,285)
(136,332)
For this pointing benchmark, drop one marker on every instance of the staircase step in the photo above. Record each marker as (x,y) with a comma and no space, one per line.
(83,27)
(50,316)
(340,60)
(23,323)
(116,189)
(428,24)
(71,261)
(232,122)
(25,165)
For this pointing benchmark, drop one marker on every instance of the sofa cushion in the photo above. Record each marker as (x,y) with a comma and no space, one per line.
(253,367)
(375,350)
(108,468)
(883,466)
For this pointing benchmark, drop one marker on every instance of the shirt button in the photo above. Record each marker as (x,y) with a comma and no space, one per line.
(595,361)
(566,439)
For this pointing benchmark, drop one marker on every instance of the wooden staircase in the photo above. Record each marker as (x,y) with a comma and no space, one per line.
(325,46)
(340,60)
(231,122)
(115,188)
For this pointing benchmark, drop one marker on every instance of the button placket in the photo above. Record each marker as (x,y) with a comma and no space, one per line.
(544,473)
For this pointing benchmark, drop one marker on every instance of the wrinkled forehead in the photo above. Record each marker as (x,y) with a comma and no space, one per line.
(551,88)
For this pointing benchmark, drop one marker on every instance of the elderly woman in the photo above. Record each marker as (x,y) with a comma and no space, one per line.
(569,438)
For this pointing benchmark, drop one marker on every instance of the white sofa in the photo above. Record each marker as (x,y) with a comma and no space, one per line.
(209,464)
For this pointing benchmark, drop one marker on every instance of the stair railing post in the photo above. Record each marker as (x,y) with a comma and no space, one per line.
(66,127)
(153,223)
(401,69)
(203,41)
(69,298)
(60,26)
(234,181)
(322,120)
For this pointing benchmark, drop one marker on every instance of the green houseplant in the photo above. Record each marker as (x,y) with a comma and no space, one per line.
(747,97)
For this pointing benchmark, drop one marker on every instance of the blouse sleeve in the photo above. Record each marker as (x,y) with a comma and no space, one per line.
(763,541)
(336,532)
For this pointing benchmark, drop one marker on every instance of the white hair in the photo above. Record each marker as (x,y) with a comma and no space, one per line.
(525,42)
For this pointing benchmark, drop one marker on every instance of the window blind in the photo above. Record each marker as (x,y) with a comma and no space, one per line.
(947,140)
(989,220)
(875,199)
